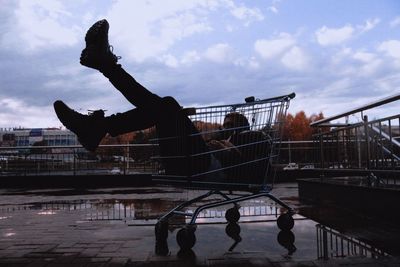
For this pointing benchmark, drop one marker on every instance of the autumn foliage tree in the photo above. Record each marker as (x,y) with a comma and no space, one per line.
(297,128)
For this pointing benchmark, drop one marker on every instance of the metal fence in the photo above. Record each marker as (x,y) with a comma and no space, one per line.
(75,160)
(113,159)
(332,244)
(301,152)
(365,145)
(370,145)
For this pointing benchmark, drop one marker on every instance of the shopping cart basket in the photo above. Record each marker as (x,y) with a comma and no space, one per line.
(233,149)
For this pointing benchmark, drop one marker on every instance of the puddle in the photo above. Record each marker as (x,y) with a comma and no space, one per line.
(108,213)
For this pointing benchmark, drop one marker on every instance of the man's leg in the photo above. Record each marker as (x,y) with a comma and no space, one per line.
(91,129)
(98,55)
(172,124)
(181,145)
(179,139)
(133,91)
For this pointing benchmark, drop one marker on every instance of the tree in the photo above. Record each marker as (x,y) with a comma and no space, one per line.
(297,128)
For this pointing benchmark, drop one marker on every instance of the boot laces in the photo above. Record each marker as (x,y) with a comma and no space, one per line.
(112,51)
(96,113)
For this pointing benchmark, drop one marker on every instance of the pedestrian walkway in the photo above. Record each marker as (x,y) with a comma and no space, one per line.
(115,227)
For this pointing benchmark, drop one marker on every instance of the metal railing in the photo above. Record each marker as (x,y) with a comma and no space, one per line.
(112,159)
(370,145)
(332,244)
(75,160)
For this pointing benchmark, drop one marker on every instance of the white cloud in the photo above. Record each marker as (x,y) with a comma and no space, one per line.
(395,22)
(391,48)
(371,67)
(229,28)
(274,6)
(273,9)
(370,63)
(155,26)
(369,25)
(355,63)
(333,36)
(170,61)
(270,48)
(337,88)
(17,113)
(190,57)
(220,53)
(343,54)
(386,84)
(364,56)
(295,59)
(41,24)
(246,14)
(249,63)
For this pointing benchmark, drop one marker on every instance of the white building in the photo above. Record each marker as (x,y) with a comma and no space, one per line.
(28,137)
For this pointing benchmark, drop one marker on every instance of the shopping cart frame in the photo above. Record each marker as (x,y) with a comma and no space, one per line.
(276,107)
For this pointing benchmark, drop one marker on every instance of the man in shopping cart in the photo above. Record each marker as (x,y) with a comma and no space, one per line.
(178,137)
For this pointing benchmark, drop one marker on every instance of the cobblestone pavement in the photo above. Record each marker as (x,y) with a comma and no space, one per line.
(115,227)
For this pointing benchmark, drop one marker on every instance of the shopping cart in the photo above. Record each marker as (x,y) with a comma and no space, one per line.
(242,141)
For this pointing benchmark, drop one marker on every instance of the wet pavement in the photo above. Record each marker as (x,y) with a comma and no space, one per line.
(115,227)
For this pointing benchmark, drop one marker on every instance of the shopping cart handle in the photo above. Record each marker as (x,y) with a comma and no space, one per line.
(292,95)
(283,97)
(249,99)
(286,97)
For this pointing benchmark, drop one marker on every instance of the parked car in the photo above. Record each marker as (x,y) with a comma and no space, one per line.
(336,166)
(308,167)
(115,170)
(291,166)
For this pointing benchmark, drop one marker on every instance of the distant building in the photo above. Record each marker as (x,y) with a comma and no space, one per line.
(27,137)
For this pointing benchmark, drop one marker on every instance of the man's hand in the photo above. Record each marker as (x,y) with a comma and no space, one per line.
(223,144)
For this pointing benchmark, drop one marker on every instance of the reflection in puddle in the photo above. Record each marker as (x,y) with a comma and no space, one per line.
(286,239)
(327,242)
(47,213)
(136,210)
(232,229)
(332,244)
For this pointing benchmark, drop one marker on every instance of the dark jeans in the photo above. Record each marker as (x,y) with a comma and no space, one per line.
(179,139)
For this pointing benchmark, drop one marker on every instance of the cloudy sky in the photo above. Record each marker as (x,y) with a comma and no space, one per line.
(334,54)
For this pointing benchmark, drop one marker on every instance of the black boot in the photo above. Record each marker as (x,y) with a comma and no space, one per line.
(98,53)
(90,129)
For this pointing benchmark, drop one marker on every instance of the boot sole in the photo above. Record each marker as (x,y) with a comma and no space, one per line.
(97,33)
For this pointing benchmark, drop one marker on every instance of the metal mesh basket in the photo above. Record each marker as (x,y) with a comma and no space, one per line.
(238,143)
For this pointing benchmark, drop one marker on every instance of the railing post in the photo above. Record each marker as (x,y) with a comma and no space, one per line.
(325,243)
(124,161)
(321,147)
(366,130)
(74,163)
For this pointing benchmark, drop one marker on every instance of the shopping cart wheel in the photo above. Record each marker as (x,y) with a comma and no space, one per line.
(285,221)
(186,238)
(232,215)
(161,230)
(233,231)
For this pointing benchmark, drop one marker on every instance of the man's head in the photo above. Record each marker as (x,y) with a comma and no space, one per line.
(235,120)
